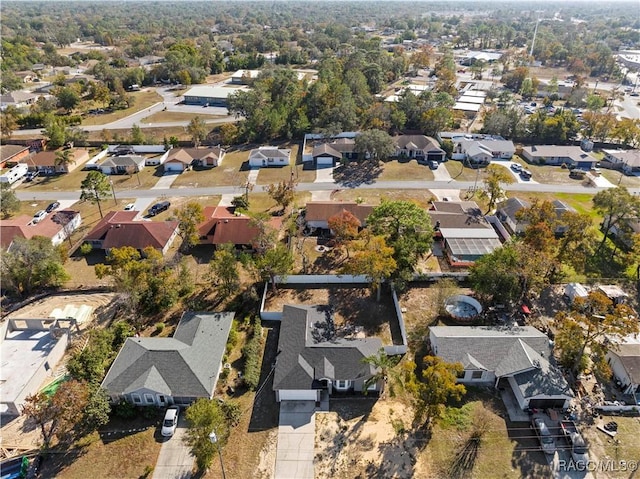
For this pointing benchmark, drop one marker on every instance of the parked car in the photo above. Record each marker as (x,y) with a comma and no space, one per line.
(31,175)
(579,449)
(544,435)
(433,164)
(39,216)
(170,421)
(516,167)
(52,206)
(525,175)
(159,208)
(130,207)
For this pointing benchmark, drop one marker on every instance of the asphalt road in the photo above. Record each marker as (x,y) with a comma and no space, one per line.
(391,185)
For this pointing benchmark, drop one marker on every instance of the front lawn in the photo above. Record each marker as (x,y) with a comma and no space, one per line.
(405,170)
(231,172)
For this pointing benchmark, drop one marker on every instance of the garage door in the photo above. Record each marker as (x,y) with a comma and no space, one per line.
(325,160)
(546,403)
(298,395)
(173,166)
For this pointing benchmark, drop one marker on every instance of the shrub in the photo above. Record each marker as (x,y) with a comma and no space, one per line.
(232,412)
(252,356)
(124,410)
(148,470)
(159,327)
(86,249)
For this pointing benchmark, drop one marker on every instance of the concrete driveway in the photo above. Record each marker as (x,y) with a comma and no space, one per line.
(296,440)
(441,173)
(175,461)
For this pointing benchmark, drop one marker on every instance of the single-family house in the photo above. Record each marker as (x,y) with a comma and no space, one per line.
(623,356)
(420,147)
(244,77)
(175,370)
(313,364)
(180,159)
(624,230)
(12,154)
(557,155)
(122,165)
(269,156)
(47,162)
(119,228)
(519,358)
(628,161)
(330,153)
(31,350)
(462,231)
(57,226)
(224,225)
(317,213)
(481,150)
(19,99)
(508,213)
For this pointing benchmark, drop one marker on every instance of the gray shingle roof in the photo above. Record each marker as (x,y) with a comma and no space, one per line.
(184,365)
(305,354)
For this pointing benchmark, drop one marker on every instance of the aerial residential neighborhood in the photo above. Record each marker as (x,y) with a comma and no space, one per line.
(306,240)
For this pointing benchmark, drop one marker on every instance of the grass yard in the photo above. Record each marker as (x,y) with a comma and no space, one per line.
(618,178)
(268,176)
(405,170)
(142,99)
(232,172)
(165,116)
(375,196)
(460,172)
(125,458)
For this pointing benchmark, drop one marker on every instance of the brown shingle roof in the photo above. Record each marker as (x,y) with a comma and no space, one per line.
(323,210)
(224,226)
(118,229)
(48,158)
(20,227)
(9,151)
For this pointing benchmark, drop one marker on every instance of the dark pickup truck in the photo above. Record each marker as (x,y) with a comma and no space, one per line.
(579,449)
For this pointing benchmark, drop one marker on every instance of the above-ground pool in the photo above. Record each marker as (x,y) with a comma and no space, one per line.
(462,308)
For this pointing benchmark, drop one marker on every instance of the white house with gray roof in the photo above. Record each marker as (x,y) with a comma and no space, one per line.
(269,156)
(176,370)
(481,150)
(312,360)
(520,357)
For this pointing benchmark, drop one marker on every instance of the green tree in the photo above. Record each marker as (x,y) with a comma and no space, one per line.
(595,102)
(224,269)
(375,145)
(497,275)
(205,416)
(372,258)
(276,261)
(406,227)
(197,128)
(436,386)
(189,216)
(55,132)
(57,416)
(283,193)
(617,206)
(68,98)
(63,158)
(9,202)
(32,264)
(345,227)
(496,175)
(590,321)
(95,188)
(386,371)
(9,121)
(137,136)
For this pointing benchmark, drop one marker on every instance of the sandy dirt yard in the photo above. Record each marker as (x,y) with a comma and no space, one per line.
(362,438)
(13,431)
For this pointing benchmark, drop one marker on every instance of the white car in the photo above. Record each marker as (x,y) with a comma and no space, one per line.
(170,421)
(130,207)
(39,216)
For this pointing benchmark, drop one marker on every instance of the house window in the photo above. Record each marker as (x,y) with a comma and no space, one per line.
(149,399)
(136,399)
(476,375)
(270,160)
(342,385)
(372,387)
(461,374)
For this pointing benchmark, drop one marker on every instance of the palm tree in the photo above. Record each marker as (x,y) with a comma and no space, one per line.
(63,159)
(386,370)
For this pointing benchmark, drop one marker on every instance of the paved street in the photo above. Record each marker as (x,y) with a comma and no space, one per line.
(391,185)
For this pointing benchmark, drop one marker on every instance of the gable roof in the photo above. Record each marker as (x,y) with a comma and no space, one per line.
(511,206)
(325,149)
(9,151)
(184,365)
(126,160)
(417,142)
(629,356)
(48,158)
(21,227)
(118,229)
(223,225)
(306,355)
(269,152)
(323,210)
(458,218)
(575,153)
(187,155)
